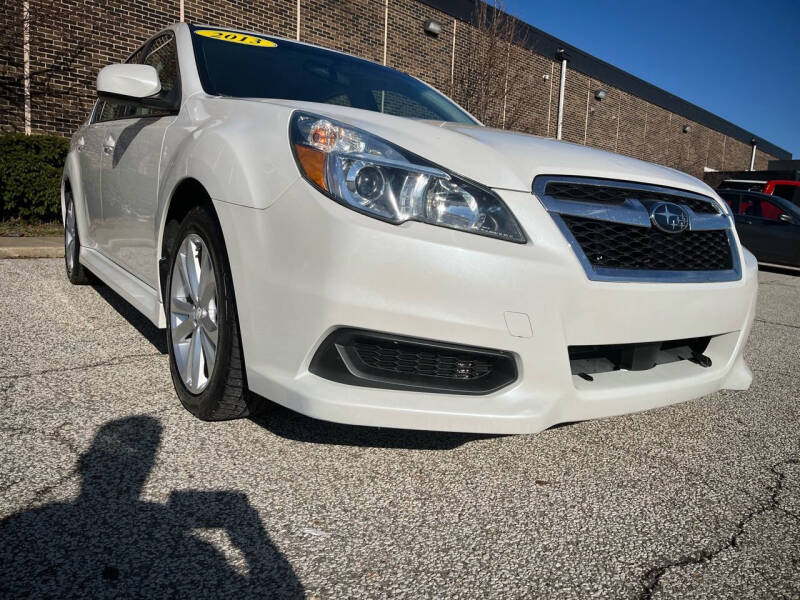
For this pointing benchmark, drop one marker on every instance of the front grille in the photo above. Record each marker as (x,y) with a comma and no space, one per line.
(609,225)
(375,359)
(606,194)
(417,360)
(621,246)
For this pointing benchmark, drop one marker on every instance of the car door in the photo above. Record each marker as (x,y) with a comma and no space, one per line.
(793,238)
(780,222)
(772,237)
(131,160)
(743,222)
(89,148)
(747,224)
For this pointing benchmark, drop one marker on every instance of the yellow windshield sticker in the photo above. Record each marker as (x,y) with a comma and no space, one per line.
(236,38)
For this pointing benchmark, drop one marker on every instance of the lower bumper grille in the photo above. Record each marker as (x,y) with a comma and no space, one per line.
(621,246)
(590,360)
(410,359)
(375,359)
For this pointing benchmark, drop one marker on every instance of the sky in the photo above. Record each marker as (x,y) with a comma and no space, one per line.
(739,60)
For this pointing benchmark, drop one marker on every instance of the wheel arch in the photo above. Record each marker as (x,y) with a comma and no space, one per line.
(187,194)
(71,180)
(66,186)
(227,158)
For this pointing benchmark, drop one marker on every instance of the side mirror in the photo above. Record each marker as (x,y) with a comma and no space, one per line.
(128,82)
(786,218)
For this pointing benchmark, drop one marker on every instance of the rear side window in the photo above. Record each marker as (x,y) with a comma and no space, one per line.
(756,206)
(770,211)
(749,205)
(788,192)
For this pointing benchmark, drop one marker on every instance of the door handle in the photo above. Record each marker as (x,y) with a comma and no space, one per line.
(81,144)
(108,146)
(108,149)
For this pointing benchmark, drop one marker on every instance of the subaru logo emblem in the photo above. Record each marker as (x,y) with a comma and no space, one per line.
(669,217)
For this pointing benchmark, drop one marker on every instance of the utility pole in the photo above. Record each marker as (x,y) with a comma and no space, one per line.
(562,55)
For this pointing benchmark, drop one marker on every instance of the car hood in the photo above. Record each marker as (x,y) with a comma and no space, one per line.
(497,158)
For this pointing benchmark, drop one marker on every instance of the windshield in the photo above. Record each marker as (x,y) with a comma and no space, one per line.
(256,66)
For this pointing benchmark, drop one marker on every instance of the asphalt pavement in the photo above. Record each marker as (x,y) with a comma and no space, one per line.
(110,489)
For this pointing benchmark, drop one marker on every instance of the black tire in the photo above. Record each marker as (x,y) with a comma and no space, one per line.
(76,272)
(225,395)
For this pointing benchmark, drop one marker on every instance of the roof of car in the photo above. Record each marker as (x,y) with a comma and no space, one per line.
(752,193)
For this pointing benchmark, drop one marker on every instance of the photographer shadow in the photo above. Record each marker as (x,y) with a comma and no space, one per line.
(110,543)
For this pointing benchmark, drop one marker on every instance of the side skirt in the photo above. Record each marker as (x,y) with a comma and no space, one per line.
(143,297)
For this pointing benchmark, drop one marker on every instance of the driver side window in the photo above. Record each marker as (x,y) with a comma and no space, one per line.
(761,208)
(770,211)
(161,54)
(163,57)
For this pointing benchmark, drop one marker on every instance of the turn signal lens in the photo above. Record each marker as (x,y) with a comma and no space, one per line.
(312,161)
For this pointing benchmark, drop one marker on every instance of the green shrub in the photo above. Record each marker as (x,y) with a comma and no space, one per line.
(30,176)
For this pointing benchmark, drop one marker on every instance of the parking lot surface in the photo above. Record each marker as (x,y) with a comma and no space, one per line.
(108,488)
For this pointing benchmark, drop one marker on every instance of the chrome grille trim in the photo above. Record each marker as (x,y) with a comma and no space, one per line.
(635,212)
(605,192)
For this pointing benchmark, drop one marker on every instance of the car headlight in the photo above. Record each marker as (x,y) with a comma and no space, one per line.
(377,178)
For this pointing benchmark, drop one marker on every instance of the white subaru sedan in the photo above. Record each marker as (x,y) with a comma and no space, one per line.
(342,239)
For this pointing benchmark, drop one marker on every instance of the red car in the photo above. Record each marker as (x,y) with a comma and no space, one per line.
(784,188)
(790,190)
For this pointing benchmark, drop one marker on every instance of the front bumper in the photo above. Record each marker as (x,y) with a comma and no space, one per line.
(307,266)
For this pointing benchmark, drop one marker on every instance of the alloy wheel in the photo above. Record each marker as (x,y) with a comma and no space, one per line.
(193,313)
(69,236)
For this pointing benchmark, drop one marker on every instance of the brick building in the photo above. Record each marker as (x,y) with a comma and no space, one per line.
(69,40)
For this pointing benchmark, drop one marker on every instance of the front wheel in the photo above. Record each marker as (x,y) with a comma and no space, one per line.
(206,358)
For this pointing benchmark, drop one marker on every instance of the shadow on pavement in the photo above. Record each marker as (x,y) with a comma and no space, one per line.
(109,543)
(291,425)
(157,337)
(294,426)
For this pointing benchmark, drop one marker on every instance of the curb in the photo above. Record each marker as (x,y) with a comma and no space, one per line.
(31,247)
(31,252)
